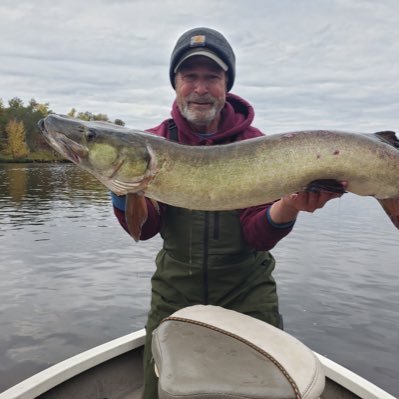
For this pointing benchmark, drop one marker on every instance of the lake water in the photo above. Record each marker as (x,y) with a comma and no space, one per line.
(71,278)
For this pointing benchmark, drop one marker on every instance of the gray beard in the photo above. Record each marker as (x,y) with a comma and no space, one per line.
(199,118)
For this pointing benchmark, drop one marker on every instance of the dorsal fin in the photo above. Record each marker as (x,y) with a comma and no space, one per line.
(389,137)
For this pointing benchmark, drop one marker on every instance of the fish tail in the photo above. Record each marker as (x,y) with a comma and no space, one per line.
(389,137)
(391,207)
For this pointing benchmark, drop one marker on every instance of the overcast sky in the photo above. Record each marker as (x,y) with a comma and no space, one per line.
(303,64)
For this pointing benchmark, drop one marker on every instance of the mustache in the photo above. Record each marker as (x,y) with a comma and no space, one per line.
(201,99)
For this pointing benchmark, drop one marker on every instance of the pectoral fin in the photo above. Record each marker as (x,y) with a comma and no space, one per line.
(136,214)
(391,207)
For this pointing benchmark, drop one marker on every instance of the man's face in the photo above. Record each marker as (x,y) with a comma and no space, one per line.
(201,92)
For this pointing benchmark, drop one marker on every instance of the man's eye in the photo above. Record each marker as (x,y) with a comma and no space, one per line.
(189,78)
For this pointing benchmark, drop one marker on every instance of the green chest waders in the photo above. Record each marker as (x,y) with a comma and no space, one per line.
(204,260)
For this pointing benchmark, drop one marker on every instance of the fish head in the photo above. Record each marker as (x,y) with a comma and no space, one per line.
(117,156)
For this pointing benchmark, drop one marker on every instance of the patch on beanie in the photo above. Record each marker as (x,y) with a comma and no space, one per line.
(198,40)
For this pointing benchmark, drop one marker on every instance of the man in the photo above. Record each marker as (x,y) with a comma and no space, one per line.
(218,258)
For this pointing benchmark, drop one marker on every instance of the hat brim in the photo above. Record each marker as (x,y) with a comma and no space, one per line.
(205,53)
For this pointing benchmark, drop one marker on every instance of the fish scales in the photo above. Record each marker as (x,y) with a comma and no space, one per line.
(229,176)
(264,169)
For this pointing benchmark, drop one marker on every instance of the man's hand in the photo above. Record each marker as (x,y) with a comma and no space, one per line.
(288,207)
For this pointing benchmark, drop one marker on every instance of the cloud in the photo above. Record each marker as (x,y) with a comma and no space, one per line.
(303,64)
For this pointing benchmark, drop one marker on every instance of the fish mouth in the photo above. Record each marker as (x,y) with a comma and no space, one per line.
(72,150)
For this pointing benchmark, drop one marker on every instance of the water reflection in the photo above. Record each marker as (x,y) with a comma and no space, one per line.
(72,278)
(31,192)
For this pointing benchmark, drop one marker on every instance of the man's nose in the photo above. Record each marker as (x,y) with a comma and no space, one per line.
(201,86)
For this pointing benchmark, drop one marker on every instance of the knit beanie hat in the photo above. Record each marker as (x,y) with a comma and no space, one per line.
(206,42)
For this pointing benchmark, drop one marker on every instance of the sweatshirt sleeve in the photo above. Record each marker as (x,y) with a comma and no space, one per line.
(260,232)
(153,224)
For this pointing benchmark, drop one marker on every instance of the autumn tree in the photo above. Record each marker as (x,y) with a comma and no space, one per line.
(72,113)
(16,145)
(18,117)
(88,116)
(16,103)
(119,122)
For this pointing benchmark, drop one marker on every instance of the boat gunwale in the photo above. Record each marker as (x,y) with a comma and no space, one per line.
(55,375)
(351,381)
(60,372)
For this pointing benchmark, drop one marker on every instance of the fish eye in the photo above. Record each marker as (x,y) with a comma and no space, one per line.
(90,135)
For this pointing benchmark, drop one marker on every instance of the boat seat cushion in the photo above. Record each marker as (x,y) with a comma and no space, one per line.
(205,351)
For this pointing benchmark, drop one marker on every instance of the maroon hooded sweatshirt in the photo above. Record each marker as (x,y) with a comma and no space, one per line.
(237,115)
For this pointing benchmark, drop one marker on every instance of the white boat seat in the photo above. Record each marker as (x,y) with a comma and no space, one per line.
(211,352)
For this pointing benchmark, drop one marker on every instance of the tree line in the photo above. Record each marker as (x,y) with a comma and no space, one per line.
(20,137)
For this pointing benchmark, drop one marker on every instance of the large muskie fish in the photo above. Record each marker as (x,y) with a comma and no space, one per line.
(229,176)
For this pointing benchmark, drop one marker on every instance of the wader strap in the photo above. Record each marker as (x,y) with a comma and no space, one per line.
(172,130)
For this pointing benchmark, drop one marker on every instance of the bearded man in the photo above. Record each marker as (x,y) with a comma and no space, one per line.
(218,258)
